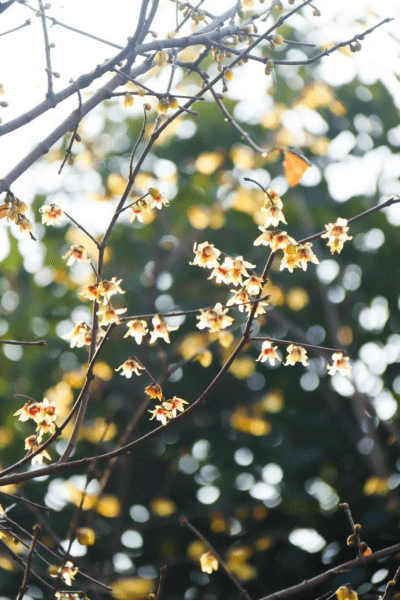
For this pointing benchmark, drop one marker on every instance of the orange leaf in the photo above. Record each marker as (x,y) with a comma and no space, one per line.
(294,167)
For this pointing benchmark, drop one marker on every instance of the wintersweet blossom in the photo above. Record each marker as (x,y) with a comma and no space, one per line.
(154,391)
(240,298)
(67,572)
(29,411)
(273,216)
(220,273)
(268,352)
(214,319)
(81,335)
(161,329)
(48,412)
(158,201)
(337,235)
(130,366)
(91,292)
(138,328)
(253,285)
(273,198)
(51,214)
(306,254)
(296,354)
(281,241)
(24,224)
(290,259)
(32,444)
(237,269)
(46,427)
(266,238)
(206,255)
(208,563)
(109,315)
(259,308)
(161,413)
(142,211)
(175,404)
(109,287)
(340,364)
(77,253)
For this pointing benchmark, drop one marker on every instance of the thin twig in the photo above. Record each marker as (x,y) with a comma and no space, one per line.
(68,152)
(27,22)
(236,583)
(27,570)
(81,227)
(50,93)
(163,572)
(23,342)
(303,344)
(345,567)
(355,530)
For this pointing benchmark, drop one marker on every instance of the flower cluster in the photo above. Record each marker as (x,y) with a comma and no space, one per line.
(337,235)
(230,271)
(44,415)
(168,409)
(14,210)
(143,209)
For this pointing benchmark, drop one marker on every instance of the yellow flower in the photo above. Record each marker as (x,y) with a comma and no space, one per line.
(253,285)
(208,563)
(85,536)
(29,411)
(32,444)
(175,404)
(77,253)
(163,414)
(138,328)
(268,352)
(68,572)
(220,273)
(161,58)
(130,366)
(337,235)
(341,364)
(290,259)
(214,319)
(161,329)
(24,224)
(273,216)
(239,298)
(51,214)
(142,211)
(237,268)
(109,287)
(296,354)
(80,335)
(109,315)
(158,201)
(91,292)
(346,592)
(206,255)
(266,238)
(305,254)
(281,241)
(154,391)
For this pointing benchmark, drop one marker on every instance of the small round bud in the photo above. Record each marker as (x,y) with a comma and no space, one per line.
(344,506)
(147,106)
(357,528)
(52,45)
(316,12)
(278,39)
(141,92)
(228,74)
(78,137)
(56,75)
(351,540)
(3,103)
(70,161)
(357,46)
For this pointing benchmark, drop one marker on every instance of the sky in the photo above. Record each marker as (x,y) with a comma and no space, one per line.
(24,78)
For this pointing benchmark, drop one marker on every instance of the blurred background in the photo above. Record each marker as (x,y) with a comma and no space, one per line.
(261,467)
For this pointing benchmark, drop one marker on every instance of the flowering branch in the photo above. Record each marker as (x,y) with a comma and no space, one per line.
(303,344)
(236,583)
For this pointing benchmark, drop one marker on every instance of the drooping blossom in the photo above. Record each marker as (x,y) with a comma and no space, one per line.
(109,315)
(175,404)
(290,259)
(237,269)
(29,411)
(32,444)
(138,328)
(91,292)
(77,253)
(67,572)
(266,238)
(131,366)
(158,201)
(268,352)
(141,211)
(240,298)
(306,255)
(253,285)
(154,390)
(220,273)
(281,241)
(208,563)
(296,354)
(81,335)
(161,329)
(161,413)
(340,364)
(273,216)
